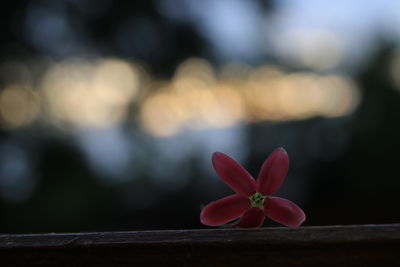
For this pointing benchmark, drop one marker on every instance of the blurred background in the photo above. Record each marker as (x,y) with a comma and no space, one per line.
(110,110)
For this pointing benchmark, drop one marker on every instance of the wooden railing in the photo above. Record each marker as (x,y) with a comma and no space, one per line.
(356,245)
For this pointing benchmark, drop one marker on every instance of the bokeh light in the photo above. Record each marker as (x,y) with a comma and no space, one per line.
(98,93)
(19,105)
(94,94)
(194,99)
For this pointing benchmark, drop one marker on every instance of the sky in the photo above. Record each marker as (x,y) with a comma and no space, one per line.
(240,30)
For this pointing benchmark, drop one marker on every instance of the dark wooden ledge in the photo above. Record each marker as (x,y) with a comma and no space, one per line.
(355,245)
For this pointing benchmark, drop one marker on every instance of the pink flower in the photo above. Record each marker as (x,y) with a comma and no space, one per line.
(253,200)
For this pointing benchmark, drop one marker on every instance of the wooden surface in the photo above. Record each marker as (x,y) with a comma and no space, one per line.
(358,245)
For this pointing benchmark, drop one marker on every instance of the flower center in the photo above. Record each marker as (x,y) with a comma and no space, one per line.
(257,200)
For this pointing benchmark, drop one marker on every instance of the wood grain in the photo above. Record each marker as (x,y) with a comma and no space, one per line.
(355,245)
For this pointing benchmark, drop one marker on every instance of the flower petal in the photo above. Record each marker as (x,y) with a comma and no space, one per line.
(253,217)
(224,210)
(233,174)
(284,211)
(273,172)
